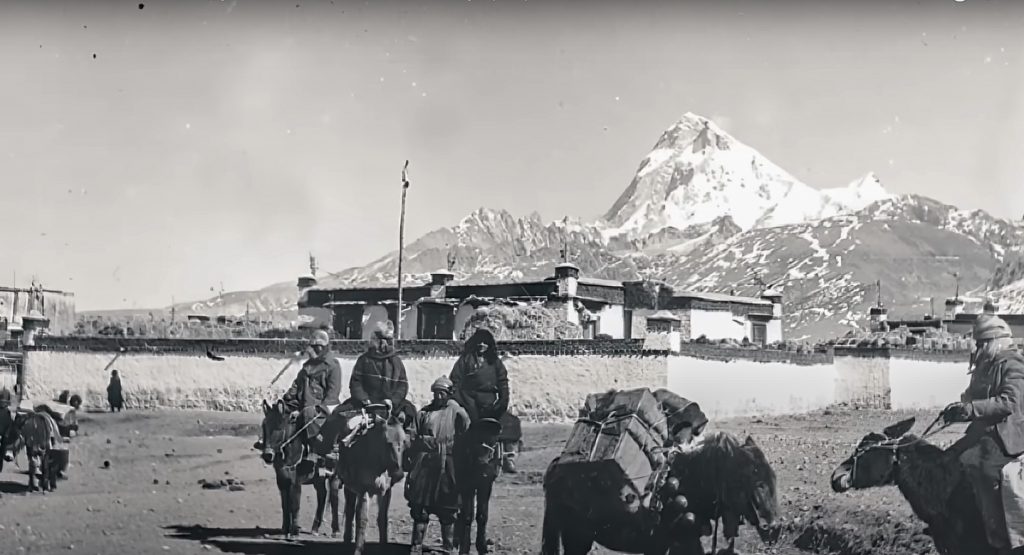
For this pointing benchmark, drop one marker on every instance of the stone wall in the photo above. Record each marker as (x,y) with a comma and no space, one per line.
(545,387)
(549,378)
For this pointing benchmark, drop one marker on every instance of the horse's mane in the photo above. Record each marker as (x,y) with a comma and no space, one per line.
(711,442)
(713,464)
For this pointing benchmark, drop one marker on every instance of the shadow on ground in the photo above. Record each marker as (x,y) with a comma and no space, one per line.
(14,487)
(264,541)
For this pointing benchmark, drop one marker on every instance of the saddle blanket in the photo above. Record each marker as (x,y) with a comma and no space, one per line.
(1012,491)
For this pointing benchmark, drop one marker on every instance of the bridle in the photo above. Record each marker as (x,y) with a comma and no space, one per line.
(894,445)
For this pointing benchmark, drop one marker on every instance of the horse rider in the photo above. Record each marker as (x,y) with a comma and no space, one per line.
(994,405)
(479,378)
(379,374)
(430,484)
(314,394)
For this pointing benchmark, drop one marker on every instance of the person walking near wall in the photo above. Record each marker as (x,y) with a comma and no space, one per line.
(115,396)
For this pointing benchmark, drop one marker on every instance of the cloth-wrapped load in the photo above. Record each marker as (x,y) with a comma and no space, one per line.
(619,443)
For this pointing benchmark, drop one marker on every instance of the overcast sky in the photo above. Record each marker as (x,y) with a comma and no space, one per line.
(153,152)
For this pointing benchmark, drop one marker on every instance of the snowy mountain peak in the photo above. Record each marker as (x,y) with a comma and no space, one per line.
(698,173)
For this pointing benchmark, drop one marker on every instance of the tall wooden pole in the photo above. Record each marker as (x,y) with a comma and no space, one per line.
(401,246)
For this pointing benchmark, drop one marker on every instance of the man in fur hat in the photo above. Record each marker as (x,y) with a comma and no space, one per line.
(994,405)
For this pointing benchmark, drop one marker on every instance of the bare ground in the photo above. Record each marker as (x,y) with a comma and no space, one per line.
(150,501)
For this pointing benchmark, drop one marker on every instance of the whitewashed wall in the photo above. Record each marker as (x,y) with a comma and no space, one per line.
(547,388)
(543,387)
(462,315)
(924,384)
(774,331)
(747,388)
(717,324)
(373,315)
(612,321)
(862,381)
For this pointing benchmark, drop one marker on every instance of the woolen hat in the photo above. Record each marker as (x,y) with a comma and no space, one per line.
(990,327)
(442,384)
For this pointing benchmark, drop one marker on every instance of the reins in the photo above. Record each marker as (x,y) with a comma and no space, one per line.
(895,447)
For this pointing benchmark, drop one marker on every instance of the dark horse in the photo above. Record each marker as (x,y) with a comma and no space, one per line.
(477,465)
(37,433)
(371,466)
(283,446)
(930,478)
(714,477)
(724,479)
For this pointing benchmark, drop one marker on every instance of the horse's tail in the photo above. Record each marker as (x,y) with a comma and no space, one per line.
(551,531)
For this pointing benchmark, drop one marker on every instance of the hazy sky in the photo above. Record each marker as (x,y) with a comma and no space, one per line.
(218,141)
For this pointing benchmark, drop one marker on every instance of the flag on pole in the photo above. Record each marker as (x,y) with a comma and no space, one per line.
(405,175)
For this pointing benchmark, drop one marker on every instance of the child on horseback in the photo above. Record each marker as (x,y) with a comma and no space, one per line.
(430,485)
(316,389)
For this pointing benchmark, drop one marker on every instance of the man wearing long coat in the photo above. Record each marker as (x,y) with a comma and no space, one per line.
(430,487)
(314,393)
(994,405)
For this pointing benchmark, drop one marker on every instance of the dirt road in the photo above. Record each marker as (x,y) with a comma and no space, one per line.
(149,500)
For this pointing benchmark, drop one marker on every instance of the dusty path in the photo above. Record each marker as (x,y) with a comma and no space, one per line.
(149,500)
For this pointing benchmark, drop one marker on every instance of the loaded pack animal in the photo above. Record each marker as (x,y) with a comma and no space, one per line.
(37,433)
(282,446)
(694,482)
(370,467)
(477,465)
(723,479)
(929,478)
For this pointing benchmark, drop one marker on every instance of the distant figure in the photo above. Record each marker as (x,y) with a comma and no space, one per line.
(114,395)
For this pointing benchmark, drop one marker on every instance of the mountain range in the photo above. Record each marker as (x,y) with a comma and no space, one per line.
(707,212)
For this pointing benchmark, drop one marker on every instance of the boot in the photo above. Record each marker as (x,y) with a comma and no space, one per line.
(510,464)
(447,535)
(419,530)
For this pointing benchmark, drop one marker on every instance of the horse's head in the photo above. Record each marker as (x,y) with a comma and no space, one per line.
(12,439)
(275,429)
(396,441)
(760,506)
(873,462)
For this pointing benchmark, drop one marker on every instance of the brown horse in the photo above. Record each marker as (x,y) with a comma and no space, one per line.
(477,465)
(283,447)
(371,466)
(37,433)
(714,477)
(930,478)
